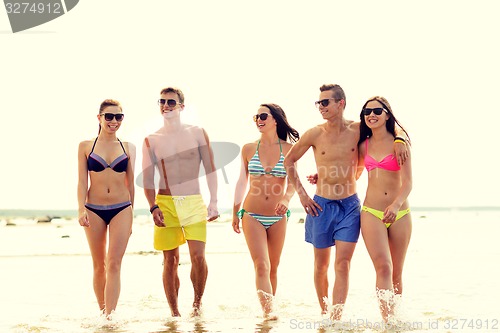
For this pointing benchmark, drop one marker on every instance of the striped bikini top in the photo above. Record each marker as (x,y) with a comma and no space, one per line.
(255,167)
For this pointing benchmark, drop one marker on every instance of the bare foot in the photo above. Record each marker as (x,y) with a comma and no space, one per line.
(196,310)
(270,316)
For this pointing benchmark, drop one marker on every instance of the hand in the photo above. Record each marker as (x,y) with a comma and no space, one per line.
(310,206)
(236,224)
(158,217)
(281,208)
(401,151)
(312,179)
(390,213)
(83,219)
(213,213)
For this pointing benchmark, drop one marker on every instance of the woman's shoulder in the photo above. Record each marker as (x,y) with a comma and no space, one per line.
(129,146)
(286,146)
(86,143)
(249,147)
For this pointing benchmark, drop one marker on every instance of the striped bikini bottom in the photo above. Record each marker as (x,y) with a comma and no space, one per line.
(265,220)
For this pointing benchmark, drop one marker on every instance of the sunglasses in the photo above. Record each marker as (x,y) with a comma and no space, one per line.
(170,102)
(324,102)
(262,116)
(110,116)
(376,111)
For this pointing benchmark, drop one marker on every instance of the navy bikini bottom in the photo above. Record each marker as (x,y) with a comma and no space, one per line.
(107,212)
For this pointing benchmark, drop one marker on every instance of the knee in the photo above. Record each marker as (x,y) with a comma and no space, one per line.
(274,268)
(114,265)
(171,261)
(342,267)
(262,268)
(384,269)
(321,268)
(99,267)
(198,259)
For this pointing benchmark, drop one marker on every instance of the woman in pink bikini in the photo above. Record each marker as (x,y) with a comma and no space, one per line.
(265,207)
(385,215)
(105,207)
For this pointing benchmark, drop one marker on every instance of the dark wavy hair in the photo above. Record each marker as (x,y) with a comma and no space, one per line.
(283,128)
(365,132)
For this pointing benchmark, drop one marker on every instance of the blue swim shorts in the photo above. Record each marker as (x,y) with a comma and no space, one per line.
(339,220)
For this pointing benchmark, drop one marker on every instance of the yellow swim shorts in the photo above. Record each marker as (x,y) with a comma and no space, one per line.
(185,218)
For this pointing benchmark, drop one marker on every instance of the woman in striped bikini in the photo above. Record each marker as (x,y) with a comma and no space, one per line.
(265,207)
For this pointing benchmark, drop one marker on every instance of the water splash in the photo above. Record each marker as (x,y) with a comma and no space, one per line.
(267,303)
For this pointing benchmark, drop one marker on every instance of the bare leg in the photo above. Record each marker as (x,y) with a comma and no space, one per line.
(375,235)
(321,264)
(343,256)
(171,281)
(257,241)
(96,237)
(275,241)
(199,272)
(120,228)
(399,239)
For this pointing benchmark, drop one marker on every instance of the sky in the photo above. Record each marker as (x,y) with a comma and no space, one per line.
(435,61)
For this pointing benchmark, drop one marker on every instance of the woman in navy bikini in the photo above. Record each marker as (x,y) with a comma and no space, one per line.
(107,203)
(265,207)
(385,215)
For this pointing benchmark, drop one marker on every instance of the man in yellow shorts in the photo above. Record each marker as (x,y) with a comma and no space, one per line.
(177,151)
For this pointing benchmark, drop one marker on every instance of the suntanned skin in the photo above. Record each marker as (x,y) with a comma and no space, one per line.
(267,195)
(106,188)
(387,191)
(335,148)
(181,149)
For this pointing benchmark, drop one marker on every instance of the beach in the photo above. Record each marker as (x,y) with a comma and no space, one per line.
(450,281)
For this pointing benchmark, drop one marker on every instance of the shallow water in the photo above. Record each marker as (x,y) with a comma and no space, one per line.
(451,276)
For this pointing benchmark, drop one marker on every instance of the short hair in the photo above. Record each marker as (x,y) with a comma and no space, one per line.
(338,92)
(174,90)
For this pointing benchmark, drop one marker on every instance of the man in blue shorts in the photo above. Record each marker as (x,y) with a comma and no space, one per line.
(333,217)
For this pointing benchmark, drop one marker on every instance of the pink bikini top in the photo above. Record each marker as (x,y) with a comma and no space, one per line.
(389,162)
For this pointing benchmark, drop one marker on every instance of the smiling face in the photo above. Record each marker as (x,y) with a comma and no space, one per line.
(110,126)
(268,124)
(333,108)
(372,119)
(167,107)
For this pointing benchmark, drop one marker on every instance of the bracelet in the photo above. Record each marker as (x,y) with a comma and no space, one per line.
(400,141)
(153,208)
(399,138)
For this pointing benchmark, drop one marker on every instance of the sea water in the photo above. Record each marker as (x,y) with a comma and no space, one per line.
(450,281)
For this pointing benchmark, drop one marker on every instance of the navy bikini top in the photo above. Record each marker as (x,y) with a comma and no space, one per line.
(97,163)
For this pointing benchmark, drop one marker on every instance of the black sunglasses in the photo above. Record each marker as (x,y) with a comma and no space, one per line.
(262,116)
(170,102)
(110,116)
(376,111)
(324,102)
